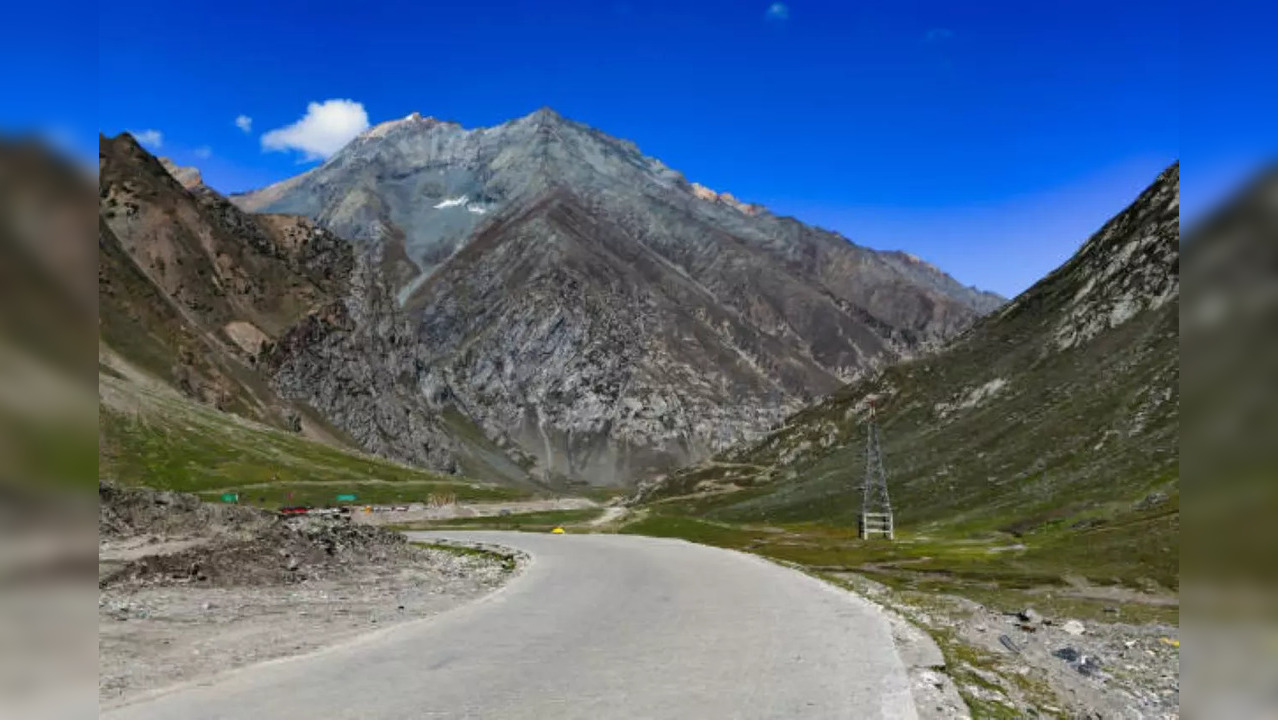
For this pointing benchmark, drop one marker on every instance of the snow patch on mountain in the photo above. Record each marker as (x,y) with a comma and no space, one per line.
(451,202)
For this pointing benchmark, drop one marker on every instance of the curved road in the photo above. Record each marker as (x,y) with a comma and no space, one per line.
(598,627)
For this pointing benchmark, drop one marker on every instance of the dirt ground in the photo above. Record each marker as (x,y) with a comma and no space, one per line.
(188,590)
(418,512)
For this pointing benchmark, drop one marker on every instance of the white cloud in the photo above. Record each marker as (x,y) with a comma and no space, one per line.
(244,122)
(324,129)
(938,35)
(778,11)
(153,139)
(204,152)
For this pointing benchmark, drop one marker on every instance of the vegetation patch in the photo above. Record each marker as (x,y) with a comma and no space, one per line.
(169,443)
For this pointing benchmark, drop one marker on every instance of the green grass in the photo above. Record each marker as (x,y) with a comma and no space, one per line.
(1000,570)
(693,530)
(170,443)
(1109,543)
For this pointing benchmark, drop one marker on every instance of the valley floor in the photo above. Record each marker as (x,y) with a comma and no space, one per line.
(1012,645)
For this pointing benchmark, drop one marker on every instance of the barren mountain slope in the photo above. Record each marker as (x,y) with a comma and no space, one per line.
(220,264)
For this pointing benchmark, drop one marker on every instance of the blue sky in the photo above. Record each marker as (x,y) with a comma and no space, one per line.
(990,138)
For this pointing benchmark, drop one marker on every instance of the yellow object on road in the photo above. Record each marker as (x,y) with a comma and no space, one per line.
(558,531)
(1170,641)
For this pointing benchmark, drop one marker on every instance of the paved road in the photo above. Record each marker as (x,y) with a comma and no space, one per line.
(598,627)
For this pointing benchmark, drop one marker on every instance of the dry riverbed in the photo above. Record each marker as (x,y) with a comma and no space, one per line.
(188,590)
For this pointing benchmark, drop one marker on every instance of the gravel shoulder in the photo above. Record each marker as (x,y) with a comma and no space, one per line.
(1032,664)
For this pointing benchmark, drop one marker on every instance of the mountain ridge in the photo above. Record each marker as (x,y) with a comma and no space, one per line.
(425,143)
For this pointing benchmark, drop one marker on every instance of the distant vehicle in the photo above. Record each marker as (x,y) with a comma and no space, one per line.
(295,510)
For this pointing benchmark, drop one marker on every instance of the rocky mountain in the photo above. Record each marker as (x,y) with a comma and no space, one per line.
(245,277)
(1057,414)
(592,311)
(191,289)
(211,300)
(187,176)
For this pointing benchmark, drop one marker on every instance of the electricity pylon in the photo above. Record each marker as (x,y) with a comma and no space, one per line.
(876,508)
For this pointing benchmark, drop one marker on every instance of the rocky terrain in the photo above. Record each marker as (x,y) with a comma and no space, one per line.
(191,289)
(590,311)
(1026,663)
(189,589)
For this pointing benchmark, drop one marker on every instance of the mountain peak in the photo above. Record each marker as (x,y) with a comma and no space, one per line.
(188,176)
(125,150)
(414,120)
(545,113)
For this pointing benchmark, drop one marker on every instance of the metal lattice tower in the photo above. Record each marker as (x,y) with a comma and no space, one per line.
(876,508)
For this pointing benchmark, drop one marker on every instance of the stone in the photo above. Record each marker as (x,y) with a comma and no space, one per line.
(1073,627)
(1068,654)
(1030,615)
(1089,665)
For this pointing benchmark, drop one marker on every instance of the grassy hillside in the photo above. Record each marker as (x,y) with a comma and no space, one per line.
(150,435)
(1042,443)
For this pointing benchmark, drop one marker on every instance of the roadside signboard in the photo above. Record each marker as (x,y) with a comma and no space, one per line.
(230,497)
(346,497)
